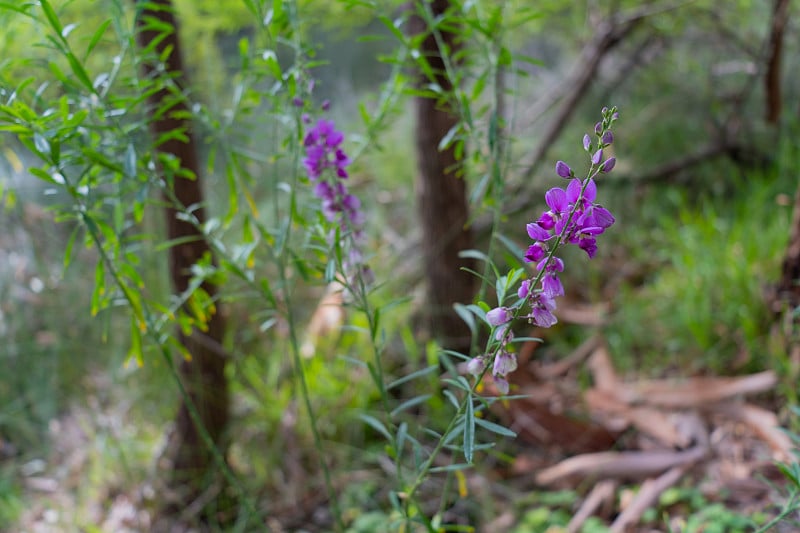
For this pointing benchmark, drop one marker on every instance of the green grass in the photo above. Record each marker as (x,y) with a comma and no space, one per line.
(708,261)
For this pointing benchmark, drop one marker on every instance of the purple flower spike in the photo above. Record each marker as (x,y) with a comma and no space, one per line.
(563,170)
(572,217)
(608,165)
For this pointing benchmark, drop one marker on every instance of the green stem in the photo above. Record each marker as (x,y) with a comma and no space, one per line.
(152,331)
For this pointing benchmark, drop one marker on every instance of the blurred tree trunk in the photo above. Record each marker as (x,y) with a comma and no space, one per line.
(788,288)
(442,196)
(772,78)
(190,461)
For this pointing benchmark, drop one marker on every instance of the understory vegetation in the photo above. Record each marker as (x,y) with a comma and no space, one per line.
(680,287)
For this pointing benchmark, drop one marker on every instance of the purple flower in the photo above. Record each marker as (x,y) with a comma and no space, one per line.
(475,366)
(524,290)
(498,316)
(501,384)
(537,232)
(608,137)
(504,334)
(597,157)
(536,252)
(504,363)
(551,284)
(542,307)
(563,170)
(587,142)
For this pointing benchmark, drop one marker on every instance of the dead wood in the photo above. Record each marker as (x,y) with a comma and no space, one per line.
(632,465)
(561,367)
(764,423)
(619,465)
(695,392)
(601,495)
(646,497)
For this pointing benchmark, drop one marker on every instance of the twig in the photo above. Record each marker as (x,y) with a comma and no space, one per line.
(648,493)
(601,493)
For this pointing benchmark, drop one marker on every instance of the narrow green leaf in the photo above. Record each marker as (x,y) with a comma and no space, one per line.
(376,424)
(495,428)
(135,351)
(402,433)
(469,430)
(462,311)
(447,140)
(51,16)
(99,288)
(96,36)
(452,397)
(408,404)
(414,375)
(42,144)
(451,468)
(70,244)
(459,383)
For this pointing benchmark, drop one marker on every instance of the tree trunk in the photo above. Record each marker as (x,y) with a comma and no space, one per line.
(788,289)
(442,199)
(191,462)
(772,78)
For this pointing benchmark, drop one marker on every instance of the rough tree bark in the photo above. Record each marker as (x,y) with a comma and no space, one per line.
(442,197)
(772,78)
(190,461)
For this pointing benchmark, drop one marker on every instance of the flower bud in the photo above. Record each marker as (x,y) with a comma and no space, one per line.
(608,165)
(563,170)
(598,128)
(587,142)
(608,137)
(475,366)
(498,316)
(597,157)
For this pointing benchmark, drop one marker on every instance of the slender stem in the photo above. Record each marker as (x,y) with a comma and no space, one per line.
(788,508)
(152,331)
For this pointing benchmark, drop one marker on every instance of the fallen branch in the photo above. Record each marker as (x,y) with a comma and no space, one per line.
(620,465)
(632,465)
(647,496)
(602,493)
(764,423)
(695,392)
